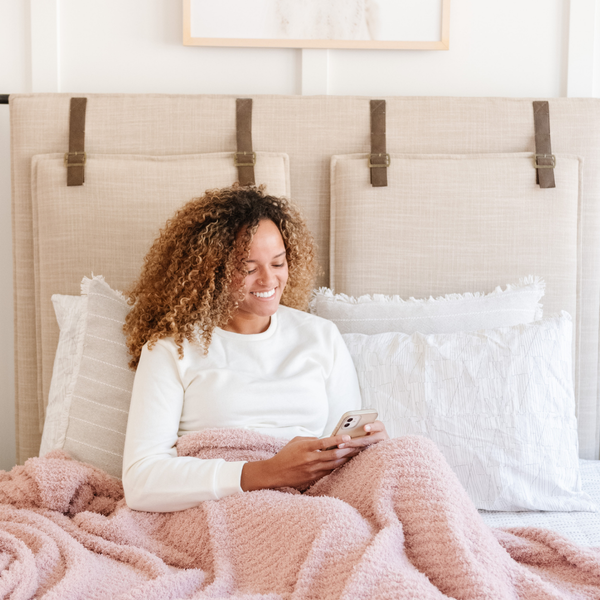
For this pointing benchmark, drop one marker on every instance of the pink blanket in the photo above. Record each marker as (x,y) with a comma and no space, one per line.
(392,523)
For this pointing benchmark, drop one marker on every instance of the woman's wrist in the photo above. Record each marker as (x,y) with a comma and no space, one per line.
(256,476)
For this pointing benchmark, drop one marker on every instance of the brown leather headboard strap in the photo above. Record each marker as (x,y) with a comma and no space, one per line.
(379,160)
(75,158)
(245,158)
(545,161)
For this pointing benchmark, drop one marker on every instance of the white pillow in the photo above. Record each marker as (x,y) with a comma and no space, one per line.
(91,382)
(498,403)
(68,310)
(517,304)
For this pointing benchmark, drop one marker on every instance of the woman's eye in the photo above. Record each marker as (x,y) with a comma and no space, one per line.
(250,272)
(281,265)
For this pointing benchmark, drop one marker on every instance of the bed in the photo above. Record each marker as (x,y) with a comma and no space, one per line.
(441,200)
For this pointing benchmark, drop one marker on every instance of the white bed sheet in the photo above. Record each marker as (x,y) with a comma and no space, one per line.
(581,527)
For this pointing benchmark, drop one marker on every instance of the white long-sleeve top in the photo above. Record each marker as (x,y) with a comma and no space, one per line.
(295,379)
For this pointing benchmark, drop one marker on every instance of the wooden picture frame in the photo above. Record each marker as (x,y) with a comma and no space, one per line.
(191,37)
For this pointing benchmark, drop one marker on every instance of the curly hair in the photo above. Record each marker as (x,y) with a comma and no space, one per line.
(186,286)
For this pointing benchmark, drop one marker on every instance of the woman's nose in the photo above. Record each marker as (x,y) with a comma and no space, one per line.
(266,277)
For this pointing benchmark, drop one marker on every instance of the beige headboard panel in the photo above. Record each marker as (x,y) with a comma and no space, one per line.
(455,222)
(310,130)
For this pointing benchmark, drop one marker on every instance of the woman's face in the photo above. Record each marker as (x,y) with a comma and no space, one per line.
(267,275)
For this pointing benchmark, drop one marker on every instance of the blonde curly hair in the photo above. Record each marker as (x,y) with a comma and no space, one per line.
(186,288)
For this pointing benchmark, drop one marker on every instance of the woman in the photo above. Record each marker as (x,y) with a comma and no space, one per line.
(219,339)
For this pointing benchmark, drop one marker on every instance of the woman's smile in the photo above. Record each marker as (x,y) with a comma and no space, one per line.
(265,295)
(267,274)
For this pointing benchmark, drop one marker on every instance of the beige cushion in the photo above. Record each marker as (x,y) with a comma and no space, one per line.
(97,397)
(456,223)
(107,225)
(91,381)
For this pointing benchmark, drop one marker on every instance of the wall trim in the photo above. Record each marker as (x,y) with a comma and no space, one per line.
(583,36)
(315,72)
(45,71)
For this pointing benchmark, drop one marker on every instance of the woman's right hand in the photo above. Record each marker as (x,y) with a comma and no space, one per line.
(302,461)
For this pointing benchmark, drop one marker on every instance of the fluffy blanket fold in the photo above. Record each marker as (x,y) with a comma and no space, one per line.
(392,523)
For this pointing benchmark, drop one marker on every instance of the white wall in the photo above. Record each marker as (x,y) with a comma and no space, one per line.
(15,73)
(537,48)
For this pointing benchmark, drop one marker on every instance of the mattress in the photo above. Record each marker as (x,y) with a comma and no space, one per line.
(581,527)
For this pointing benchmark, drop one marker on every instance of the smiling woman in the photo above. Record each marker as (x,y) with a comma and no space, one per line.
(219,343)
(267,274)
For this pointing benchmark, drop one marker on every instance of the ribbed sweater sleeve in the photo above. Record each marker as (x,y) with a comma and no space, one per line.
(154,477)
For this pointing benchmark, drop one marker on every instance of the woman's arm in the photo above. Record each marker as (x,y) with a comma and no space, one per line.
(154,477)
(301,461)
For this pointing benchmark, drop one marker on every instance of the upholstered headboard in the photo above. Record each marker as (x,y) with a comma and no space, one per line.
(461,212)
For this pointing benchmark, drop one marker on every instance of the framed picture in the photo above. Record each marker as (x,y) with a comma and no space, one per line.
(399,24)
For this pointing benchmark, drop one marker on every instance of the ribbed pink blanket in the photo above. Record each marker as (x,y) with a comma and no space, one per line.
(392,523)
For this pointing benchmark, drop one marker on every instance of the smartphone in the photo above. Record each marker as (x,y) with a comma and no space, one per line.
(353,422)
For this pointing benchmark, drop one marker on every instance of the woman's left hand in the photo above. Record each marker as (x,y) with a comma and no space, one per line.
(375,432)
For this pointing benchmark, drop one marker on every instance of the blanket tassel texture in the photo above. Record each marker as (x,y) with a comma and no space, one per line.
(393,523)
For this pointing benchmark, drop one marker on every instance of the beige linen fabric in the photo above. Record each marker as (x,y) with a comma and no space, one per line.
(310,130)
(456,223)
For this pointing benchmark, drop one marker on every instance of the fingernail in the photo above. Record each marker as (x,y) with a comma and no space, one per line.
(340,445)
(346,438)
(367,428)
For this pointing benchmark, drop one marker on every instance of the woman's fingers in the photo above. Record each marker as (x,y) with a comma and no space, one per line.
(374,427)
(374,432)
(323,444)
(362,442)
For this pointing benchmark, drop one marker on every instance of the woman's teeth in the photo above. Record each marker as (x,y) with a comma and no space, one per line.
(264,294)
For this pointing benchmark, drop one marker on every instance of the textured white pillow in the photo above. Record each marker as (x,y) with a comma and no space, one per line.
(517,304)
(498,403)
(68,310)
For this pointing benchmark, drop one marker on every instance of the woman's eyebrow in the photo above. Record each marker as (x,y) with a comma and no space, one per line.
(276,256)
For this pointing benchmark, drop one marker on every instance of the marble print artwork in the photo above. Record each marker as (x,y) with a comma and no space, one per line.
(327,19)
(352,20)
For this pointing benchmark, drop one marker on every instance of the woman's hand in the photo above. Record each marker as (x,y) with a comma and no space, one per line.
(300,462)
(375,433)
(304,460)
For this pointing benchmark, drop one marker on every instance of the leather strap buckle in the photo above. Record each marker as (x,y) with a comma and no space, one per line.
(539,157)
(387,162)
(75,154)
(236,160)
